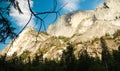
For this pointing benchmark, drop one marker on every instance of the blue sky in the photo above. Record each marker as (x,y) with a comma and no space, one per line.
(47,5)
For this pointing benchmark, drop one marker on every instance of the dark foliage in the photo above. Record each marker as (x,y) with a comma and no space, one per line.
(107,58)
(116,34)
(68,58)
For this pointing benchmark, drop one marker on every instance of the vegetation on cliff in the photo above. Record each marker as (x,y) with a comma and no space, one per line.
(68,62)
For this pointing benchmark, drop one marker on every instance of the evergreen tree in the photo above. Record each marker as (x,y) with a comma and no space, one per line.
(68,58)
(83,62)
(107,58)
(116,56)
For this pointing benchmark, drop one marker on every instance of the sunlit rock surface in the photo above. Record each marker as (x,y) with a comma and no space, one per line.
(105,17)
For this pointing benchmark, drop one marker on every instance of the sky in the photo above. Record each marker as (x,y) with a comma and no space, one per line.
(19,20)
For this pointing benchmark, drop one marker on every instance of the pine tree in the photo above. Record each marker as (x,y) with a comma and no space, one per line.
(68,58)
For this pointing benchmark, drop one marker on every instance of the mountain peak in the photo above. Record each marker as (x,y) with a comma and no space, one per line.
(82,21)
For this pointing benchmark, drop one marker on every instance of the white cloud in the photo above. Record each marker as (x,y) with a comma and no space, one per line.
(22,19)
(71,5)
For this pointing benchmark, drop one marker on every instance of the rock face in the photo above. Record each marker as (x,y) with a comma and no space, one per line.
(25,41)
(83,29)
(89,22)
